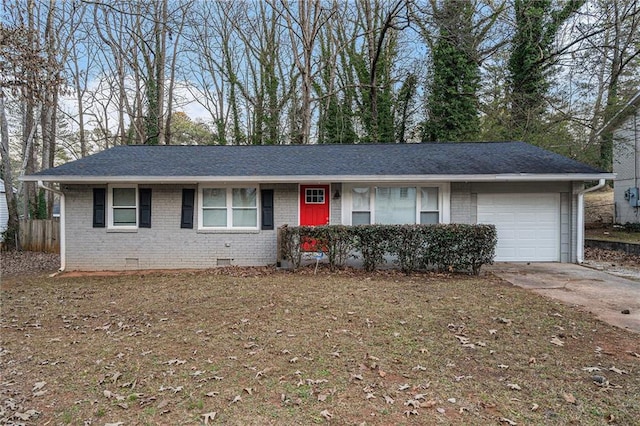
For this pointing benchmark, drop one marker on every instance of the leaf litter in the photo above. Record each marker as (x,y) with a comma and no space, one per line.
(125,356)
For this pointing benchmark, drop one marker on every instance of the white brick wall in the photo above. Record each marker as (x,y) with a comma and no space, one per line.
(165,244)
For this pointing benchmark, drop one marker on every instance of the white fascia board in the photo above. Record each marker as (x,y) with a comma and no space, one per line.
(523,177)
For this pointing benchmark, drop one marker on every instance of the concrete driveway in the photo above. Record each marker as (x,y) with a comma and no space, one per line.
(603,294)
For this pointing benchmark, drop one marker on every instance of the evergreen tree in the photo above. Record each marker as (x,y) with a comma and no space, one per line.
(452,102)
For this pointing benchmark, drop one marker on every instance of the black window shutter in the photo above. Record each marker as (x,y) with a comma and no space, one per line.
(266,197)
(188,198)
(144,220)
(99,207)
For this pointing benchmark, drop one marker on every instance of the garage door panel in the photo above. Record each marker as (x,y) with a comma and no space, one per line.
(528,225)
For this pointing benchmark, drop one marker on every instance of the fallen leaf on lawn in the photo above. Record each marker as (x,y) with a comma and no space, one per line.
(326,414)
(617,370)
(412,403)
(39,393)
(591,369)
(534,407)
(452,400)
(403,387)
(26,415)
(532,360)
(410,413)
(322,397)
(381,373)
(356,377)
(508,421)
(335,354)
(462,339)
(513,386)
(481,343)
(114,424)
(211,394)
(419,368)
(123,405)
(108,394)
(388,399)
(441,410)
(38,385)
(370,396)
(504,366)
(248,390)
(557,341)
(236,399)
(209,416)
(493,331)
(293,360)
(569,398)
(504,321)
(428,404)
(163,403)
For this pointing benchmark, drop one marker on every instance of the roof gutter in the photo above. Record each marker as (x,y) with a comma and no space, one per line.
(63,248)
(516,177)
(580,250)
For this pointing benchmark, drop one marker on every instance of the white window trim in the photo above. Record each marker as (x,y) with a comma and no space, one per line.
(444,199)
(229,207)
(110,224)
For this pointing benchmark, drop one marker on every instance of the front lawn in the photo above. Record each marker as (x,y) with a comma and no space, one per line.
(257,346)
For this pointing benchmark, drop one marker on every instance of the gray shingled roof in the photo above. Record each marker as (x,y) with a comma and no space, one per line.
(280,161)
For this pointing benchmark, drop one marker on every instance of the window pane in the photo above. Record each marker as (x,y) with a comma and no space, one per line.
(124,217)
(360,218)
(429,199)
(244,197)
(427,218)
(214,197)
(124,197)
(314,196)
(361,199)
(395,206)
(245,218)
(214,217)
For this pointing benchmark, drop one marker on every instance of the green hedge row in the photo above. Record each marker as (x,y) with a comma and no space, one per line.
(454,247)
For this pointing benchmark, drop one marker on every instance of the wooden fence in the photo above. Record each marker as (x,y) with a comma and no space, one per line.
(40,235)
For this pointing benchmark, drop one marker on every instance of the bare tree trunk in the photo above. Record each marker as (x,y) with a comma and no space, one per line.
(13,225)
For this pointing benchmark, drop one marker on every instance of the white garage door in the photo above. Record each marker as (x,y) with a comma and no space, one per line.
(528,225)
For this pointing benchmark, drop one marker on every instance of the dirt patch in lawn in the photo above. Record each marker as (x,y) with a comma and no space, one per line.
(261,346)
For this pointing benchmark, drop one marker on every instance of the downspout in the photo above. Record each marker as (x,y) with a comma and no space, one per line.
(580,254)
(63,247)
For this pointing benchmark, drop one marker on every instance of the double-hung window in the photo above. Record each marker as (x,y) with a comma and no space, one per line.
(229,208)
(395,205)
(123,206)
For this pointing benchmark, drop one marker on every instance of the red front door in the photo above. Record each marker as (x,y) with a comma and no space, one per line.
(314,205)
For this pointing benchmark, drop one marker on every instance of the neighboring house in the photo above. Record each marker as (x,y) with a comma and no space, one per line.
(4,210)
(202,206)
(626,161)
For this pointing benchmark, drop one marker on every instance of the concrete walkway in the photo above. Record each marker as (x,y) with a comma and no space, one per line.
(600,293)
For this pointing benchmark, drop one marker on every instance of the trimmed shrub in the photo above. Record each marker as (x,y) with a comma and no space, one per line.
(452,247)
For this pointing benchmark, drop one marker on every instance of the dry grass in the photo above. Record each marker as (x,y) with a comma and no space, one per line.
(265,347)
(599,207)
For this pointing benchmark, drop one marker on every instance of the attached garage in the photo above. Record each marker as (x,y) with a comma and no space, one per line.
(528,225)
